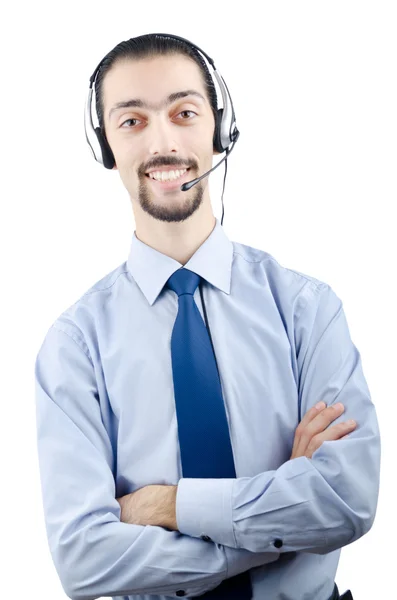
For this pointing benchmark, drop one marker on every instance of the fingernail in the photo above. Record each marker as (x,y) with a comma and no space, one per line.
(320,405)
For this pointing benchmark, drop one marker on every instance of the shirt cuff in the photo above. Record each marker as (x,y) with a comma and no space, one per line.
(204,508)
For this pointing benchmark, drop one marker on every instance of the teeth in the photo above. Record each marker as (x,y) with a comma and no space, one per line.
(167,175)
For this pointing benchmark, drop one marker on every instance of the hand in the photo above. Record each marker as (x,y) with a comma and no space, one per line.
(150,505)
(313,430)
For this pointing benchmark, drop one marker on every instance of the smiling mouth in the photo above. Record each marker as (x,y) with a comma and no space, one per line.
(170,184)
(184,169)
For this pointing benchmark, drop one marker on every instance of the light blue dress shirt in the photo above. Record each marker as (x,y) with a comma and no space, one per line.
(106,426)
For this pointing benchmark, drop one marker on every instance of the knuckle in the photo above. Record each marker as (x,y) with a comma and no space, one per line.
(299,429)
(313,444)
(305,436)
(333,413)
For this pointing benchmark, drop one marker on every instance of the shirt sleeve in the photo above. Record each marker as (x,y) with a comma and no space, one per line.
(315,504)
(94,553)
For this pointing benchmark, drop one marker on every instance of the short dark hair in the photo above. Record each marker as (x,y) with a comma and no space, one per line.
(145,46)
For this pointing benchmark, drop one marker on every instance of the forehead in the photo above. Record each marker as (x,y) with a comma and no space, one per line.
(151,79)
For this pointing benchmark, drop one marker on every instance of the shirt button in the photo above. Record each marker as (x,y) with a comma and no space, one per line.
(206,538)
(278,543)
(180,593)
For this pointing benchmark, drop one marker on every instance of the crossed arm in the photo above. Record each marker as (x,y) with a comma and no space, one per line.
(156,504)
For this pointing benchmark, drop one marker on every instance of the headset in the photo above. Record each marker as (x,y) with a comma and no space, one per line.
(226,133)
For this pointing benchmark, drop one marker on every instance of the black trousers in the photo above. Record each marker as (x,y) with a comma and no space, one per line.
(336,596)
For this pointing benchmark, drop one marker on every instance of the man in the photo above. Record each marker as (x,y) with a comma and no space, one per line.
(125,516)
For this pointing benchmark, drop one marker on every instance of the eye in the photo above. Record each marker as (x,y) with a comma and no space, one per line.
(187,111)
(127,122)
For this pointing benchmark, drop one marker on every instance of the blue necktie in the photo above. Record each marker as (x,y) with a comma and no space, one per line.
(206,450)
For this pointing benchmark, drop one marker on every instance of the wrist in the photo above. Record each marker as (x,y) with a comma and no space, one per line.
(168,507)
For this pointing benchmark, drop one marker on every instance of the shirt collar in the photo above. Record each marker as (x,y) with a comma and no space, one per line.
(151,269)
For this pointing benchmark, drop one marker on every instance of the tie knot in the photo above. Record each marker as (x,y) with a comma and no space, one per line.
(183,281)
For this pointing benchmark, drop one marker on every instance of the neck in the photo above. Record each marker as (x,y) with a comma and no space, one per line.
(178,240)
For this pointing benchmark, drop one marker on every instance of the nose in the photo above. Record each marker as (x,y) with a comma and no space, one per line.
(162,137)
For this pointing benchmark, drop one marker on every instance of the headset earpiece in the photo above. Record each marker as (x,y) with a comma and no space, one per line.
(217,132)
(107,154)
(232,136)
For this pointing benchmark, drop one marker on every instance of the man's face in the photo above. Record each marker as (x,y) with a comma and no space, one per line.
(162,134)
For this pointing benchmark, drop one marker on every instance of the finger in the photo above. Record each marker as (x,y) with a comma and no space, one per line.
(312,413)
(322,420)
(318,423)
(335,432)
(353,427)
(307,418)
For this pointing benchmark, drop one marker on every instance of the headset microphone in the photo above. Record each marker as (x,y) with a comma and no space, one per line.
(186,186)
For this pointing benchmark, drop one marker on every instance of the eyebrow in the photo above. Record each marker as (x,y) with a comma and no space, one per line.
(138,103)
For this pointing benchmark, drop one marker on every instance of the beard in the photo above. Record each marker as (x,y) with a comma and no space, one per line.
(170,210)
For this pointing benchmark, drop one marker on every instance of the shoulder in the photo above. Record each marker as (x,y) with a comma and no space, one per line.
(82,314)
(278,275)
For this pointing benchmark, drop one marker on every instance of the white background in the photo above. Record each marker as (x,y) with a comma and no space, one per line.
(312,181)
